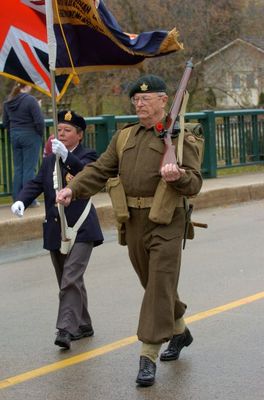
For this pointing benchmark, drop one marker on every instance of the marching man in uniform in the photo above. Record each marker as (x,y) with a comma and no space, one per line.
(130,167)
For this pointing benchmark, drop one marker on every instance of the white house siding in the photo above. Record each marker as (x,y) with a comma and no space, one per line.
(235,74)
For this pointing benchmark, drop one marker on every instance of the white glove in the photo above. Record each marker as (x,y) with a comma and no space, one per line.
(59,148)
(18,208)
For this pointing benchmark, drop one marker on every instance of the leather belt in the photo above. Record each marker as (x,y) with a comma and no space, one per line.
(139,202)
(146,202)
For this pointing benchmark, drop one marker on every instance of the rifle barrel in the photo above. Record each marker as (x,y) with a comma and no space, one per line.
(176,105)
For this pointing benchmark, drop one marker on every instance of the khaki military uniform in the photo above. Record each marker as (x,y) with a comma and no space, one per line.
(154,249)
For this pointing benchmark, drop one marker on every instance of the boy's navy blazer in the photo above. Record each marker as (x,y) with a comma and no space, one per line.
(90,230)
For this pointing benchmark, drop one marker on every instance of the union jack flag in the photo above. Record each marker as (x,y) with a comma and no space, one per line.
(23,45)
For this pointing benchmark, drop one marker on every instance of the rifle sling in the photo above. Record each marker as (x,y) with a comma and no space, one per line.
(181,135)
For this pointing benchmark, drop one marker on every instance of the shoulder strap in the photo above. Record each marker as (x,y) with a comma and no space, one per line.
(83,216)
(71,232)
(181,135)
(122,140)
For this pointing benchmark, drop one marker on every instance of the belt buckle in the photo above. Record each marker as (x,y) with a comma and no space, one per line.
(139,202)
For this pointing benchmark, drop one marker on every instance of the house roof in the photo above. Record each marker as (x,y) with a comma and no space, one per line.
(258,44)
(256,41)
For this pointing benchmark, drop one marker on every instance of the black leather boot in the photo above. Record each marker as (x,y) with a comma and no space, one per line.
(147,371)
(63,339)
(175,346)
(83,331)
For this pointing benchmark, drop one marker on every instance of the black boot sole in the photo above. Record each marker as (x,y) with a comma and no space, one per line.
(145,383)
(62,344)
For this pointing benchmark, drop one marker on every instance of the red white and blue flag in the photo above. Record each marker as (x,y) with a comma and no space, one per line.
(24,47)
(70,37)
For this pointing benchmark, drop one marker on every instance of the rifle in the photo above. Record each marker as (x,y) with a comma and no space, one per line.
(169,156)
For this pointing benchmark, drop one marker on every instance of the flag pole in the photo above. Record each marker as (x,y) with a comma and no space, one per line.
(52,50)
(58,169)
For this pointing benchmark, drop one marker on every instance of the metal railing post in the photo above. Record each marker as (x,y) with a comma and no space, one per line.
(255,137)
(104,132)
(210,163)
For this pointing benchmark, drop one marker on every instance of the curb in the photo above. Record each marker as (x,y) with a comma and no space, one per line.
(230,195)
(30,228)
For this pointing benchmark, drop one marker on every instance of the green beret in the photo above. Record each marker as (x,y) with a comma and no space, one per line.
(147,84)
(71,118)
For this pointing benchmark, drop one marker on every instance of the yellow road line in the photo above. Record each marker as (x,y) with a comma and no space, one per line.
(14,380)
(225,307)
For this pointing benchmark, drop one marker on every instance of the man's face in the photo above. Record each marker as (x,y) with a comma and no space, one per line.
(69,135)
(149,106)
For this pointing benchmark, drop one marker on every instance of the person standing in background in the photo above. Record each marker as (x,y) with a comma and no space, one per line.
(24,121)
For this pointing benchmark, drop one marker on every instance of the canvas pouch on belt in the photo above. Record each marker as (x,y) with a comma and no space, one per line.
(116,192)
(164,204)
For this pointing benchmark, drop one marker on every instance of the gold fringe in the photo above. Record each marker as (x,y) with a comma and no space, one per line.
(171,42)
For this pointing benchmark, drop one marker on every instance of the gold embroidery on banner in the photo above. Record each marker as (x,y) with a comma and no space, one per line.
(78,12)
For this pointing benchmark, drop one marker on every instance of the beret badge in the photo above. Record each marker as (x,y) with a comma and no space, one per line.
(68,116)
(143,87)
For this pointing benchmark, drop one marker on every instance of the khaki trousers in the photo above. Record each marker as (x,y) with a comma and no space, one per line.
(155,253)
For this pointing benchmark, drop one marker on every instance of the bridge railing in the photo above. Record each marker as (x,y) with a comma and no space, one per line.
(232,138)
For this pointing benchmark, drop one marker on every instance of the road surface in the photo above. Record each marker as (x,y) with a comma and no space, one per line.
(221,281)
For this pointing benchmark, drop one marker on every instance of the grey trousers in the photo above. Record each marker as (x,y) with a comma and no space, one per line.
(73,302)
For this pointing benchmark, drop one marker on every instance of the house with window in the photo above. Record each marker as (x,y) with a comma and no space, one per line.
(234,74)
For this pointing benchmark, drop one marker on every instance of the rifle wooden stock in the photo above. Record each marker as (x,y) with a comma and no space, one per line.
(169,156)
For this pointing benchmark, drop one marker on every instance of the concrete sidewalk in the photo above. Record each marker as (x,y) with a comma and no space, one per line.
(215,192)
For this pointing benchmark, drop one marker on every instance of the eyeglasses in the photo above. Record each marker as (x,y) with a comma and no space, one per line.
(144,99)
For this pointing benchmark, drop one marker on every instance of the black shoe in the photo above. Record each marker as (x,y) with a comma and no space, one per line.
(83,331)
(147,371)
(175,346)
(63,339)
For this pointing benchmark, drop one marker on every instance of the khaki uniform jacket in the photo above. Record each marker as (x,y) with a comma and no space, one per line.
(139,166)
